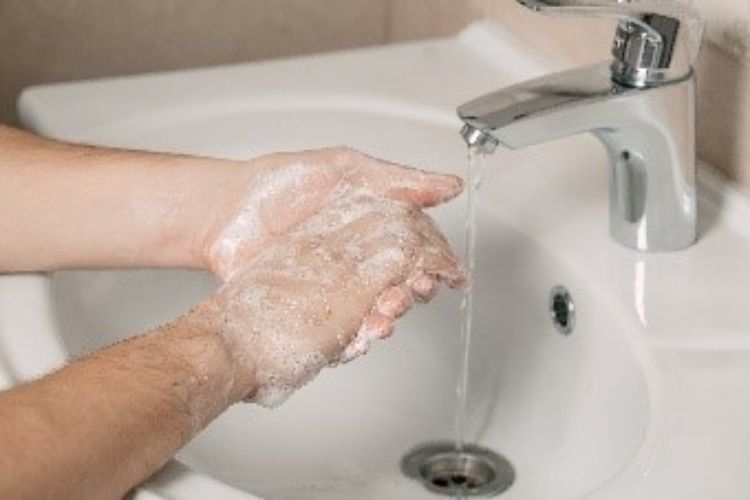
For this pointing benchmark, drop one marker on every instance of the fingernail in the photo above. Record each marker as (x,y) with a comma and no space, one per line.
(449,186)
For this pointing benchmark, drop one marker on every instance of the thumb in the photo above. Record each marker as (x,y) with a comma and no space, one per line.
(407,184)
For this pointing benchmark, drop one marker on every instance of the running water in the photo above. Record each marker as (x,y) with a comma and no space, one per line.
(473,180)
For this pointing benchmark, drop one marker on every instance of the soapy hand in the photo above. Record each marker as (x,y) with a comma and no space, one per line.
(283,190)
(320,294)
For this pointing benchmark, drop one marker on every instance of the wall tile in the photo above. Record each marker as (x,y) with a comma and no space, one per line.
(413,19)
(52,40)
(728,25)
(724,113)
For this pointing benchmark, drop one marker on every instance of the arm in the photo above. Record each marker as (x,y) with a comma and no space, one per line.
(74,206)
(67,206)
(97,427)
(107,422)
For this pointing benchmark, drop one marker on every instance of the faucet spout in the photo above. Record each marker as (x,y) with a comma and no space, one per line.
(541,109)
(479,140)
(648,133)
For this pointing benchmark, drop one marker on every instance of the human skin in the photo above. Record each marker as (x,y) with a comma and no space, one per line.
(319,252)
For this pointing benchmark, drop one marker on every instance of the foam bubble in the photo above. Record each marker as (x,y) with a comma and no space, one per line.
(247,223)
(360,345)
(289,312)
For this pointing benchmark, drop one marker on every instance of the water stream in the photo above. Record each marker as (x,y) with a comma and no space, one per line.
(475,165)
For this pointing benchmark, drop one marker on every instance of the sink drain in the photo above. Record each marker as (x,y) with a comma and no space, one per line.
(562,310)
(474,471)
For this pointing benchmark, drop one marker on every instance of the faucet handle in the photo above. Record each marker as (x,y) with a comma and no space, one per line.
(657,41)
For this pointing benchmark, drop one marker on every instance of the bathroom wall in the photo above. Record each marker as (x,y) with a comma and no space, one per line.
(53,40)
(43,40)
(723,66)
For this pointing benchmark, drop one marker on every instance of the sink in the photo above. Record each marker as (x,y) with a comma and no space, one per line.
(549,402)
(618,408)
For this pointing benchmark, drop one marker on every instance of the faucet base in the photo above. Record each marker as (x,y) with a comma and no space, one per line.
(649,135)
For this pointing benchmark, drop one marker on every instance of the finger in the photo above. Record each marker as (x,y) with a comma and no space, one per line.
(375,326)
(378,325)
(441,264)
(437,258)
(402,183)
(420,188)
(395,301)
(454,275)
(423,286)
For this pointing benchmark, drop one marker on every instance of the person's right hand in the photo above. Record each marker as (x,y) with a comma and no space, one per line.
(321,293)
(277,192)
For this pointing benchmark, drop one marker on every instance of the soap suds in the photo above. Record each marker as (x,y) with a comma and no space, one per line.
(248,223)
(298,305)
(361,344)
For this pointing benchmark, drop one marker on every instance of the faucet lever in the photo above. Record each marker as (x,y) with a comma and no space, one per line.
(656,42)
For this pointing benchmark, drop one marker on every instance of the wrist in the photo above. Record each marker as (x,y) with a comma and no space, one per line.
(214,378)
(215,351)
(218,201)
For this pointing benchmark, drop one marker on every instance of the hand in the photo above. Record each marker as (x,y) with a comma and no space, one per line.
(320,294)
(282,190)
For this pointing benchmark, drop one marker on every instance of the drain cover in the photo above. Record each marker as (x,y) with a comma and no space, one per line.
(473,471)
(562,309)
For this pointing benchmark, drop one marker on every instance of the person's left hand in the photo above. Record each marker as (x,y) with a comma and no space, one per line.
(282,190)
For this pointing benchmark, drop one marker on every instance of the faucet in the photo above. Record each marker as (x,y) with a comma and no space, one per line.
(640,105)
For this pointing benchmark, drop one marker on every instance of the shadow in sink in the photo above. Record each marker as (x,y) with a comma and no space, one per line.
(98,308)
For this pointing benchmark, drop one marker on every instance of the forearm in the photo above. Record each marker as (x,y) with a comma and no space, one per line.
(101,425)
(68,206)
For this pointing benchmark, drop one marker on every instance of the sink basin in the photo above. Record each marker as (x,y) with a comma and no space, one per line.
(614,409)
(569,411)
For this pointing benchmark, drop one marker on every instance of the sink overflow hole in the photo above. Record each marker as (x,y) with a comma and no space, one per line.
(562,309)
(473,471)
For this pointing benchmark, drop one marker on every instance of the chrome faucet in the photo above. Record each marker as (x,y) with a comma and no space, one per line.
(641,106)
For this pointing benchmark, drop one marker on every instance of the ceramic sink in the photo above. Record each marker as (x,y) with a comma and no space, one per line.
(648,395)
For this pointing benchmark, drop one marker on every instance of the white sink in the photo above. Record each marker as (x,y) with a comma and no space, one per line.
(647,397)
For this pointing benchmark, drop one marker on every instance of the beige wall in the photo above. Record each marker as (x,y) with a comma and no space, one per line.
(52,40)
